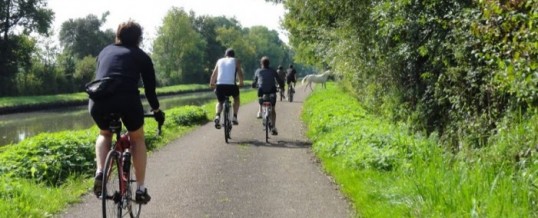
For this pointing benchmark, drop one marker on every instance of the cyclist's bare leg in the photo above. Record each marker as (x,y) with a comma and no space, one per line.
(138,150)
(236,104)
(218,108)
(102,146)
(273,116)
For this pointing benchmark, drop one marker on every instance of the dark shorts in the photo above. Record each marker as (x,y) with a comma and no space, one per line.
(272,99)
(226,90)
(129,106)
(290,80)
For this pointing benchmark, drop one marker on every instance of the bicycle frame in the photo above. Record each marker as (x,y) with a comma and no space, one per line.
(119,159)
(119,155)
(267,114)
(227,112)
(290,92)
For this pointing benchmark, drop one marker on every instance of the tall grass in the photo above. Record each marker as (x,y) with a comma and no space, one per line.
(387,170)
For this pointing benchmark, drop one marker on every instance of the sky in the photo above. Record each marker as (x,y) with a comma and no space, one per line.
(149,13)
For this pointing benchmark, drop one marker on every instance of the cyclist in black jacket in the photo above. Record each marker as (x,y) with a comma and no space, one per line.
(127,63)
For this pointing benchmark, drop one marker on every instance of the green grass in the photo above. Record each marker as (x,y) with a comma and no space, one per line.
(25,198)
(388,171)
(43,99)
(6,102)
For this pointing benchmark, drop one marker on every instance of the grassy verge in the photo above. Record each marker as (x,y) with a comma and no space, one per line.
(42,175)
(73,98)
(388,171)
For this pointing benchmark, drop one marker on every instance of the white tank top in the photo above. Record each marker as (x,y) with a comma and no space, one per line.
(226,74)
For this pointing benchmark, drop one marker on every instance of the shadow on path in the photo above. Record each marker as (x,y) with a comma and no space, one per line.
(277,143)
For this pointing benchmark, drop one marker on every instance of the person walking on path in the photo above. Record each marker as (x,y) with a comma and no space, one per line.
(224,79)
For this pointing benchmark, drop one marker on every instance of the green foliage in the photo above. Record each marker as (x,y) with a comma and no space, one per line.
(188,46)
(15,50)
(178,50)
(186,116)
(83,37)
(25,198)
(84,72)
(389,171)
(339,130)
(455,67)
(51,158)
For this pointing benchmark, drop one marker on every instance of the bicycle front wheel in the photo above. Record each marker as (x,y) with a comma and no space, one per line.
(111,191)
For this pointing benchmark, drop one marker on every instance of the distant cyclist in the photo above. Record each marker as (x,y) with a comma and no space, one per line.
(266,80)
(227,71)
(126,62)
(291,76)
(282,74)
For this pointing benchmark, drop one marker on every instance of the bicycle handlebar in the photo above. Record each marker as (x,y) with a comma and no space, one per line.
(151,114)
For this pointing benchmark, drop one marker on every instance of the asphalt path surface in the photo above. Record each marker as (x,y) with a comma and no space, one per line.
(200,175)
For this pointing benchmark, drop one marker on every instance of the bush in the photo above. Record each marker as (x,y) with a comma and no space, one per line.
(53,157)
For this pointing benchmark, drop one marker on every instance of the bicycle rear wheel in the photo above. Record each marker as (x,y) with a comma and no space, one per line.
(227,122)
(290,94)
(111,192)
(267,124)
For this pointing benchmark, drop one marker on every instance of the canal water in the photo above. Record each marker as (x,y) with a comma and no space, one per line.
(16,127)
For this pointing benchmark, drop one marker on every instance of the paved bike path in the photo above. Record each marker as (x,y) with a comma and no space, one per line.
(199,175)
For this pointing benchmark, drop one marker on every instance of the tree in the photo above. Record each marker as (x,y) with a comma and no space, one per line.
(207,27)
(178,50)
(84,72)
(18,16)
(245,50)
(268,44)
(83,36)
(31,16)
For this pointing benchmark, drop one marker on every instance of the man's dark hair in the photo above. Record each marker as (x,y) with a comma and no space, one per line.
(264,62)
(129,34)
(229,52)
(291,65)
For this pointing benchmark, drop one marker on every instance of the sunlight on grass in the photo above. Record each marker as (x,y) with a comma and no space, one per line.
(388,171)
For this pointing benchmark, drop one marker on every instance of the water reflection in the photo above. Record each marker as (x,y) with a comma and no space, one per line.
(16,127)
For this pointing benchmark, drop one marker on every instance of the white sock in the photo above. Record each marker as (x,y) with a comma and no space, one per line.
(141,188)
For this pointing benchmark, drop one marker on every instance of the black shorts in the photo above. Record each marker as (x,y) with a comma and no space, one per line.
(272,99)
(226,90)
(290,80)
(129,106)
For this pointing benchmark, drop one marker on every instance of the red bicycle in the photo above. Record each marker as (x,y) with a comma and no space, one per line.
(119,182)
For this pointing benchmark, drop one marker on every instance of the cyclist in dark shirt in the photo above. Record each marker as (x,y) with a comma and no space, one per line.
(126,62)
(291,76)
(282,74)
(266,79)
